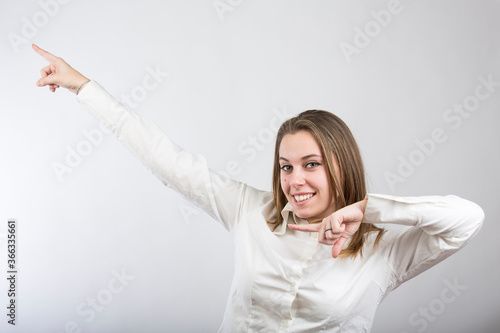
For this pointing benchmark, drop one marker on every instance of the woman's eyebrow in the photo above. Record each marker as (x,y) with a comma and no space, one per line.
(304,157)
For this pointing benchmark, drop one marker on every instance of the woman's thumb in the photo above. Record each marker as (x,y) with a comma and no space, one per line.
(337,247)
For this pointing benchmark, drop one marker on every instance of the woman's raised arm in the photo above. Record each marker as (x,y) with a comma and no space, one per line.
(183,171)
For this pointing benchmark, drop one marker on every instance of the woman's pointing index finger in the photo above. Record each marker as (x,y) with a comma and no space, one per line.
(46,55)
(313,227)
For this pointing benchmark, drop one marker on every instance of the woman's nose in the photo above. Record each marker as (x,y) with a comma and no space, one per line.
(297,178)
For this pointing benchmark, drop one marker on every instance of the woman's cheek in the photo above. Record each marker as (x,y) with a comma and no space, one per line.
(284,185)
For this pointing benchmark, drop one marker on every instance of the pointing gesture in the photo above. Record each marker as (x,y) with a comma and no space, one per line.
(58,73)
(338,227)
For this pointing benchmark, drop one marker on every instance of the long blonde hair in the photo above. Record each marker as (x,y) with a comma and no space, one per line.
(336,142)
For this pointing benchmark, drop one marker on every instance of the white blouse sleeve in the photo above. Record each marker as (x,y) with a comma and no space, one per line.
(186,173)
(436,228)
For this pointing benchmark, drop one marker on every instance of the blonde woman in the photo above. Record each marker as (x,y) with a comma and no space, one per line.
(309,257)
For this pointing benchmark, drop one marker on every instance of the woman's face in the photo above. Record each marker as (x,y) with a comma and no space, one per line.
(304,177)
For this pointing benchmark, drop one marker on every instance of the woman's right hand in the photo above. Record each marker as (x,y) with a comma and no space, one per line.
(58,73)
(338,227)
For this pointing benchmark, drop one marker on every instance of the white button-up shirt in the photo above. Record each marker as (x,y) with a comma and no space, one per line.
(285,281)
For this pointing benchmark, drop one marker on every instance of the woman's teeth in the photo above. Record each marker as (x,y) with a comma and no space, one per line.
(299,198)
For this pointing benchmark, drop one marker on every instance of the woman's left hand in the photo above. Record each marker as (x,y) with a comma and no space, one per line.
(58,73)
(338,227)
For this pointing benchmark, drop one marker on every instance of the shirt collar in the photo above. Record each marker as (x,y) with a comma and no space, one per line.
(288,217)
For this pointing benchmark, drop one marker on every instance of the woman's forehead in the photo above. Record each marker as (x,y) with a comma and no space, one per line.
(298,145)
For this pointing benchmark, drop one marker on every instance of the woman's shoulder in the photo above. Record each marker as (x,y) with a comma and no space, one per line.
(257,197)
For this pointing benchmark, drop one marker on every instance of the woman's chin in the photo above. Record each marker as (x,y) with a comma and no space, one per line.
(310,217)
(303,214)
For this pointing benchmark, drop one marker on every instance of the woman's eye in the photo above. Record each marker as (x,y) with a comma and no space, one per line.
(286,168)
(312,164)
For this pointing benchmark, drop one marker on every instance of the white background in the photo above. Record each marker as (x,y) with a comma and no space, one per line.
(228,73)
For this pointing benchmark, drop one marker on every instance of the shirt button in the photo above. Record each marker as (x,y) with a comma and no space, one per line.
(293,288)
(285,323)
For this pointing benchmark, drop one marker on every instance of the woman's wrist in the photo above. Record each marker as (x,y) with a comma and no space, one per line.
(82,85)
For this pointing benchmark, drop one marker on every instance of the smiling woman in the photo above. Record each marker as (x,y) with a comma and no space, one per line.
(285,277)
(317,170)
